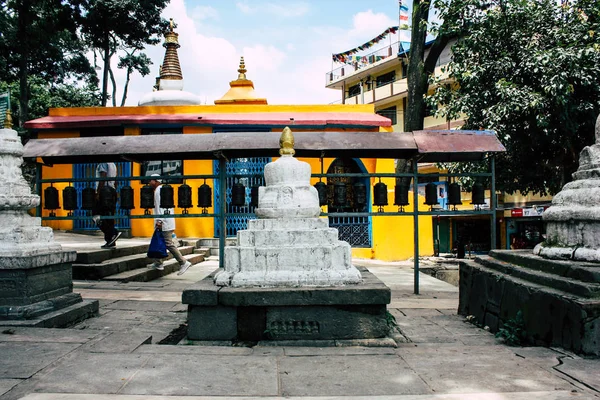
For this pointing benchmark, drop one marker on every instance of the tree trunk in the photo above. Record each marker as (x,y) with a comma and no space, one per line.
(22,33)
(114,87)
(106,58)
(127,79)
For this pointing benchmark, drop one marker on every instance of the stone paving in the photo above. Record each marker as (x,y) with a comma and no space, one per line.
(117,355)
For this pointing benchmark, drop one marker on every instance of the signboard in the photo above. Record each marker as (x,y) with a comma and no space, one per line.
(4,105)
(528,212)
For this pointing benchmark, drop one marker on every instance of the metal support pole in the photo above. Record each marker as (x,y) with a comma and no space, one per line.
(222,211)
(38,188)
(416,224)
(493,204)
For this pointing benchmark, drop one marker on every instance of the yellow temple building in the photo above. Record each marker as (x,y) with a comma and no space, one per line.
(170,112)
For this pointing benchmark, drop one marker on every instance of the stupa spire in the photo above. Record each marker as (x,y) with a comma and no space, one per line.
(241,90)
(170,66)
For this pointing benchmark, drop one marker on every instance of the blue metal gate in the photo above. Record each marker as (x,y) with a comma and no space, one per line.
(253,171)
(354,230)
(89,171)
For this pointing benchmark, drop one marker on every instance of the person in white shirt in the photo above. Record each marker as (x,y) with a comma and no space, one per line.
(107,226)
(167,227)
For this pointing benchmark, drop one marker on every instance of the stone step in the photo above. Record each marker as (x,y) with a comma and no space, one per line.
(292,237)
(564,284)
(214,242)
(582,271)
(99,255)
(96,271)
(146,274)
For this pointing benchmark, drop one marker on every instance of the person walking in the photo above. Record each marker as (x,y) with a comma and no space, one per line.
(167,227)
(106,205)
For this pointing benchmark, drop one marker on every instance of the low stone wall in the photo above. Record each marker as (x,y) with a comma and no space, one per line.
(552,317)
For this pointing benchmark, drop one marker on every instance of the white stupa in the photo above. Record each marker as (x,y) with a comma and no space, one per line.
(168,90)
(289,245)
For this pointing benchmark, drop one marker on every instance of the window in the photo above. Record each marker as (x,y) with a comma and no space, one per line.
(164,167)
(390,113)
(353,91)
(385,79)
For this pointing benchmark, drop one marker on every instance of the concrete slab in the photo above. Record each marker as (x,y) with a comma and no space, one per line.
(457,369)
(195,350)
(139,295)
(22,360)
(358,375)
(91,373)
(120,342)
(583,371)
(205,375)
(131,305)
(333,351)
(7,384)
(46,335)
(547,395)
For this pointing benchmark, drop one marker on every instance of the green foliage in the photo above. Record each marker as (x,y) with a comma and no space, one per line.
(127,25)
(513,331)
(390,320)
(528,70)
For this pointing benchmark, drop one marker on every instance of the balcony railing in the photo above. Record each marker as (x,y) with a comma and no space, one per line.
(364,61)
(379,93)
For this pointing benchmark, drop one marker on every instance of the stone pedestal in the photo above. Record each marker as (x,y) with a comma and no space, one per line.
(287,313)
(36,285)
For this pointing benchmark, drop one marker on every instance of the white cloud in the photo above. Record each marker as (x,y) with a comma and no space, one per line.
(200,13)
(245,8)
(367,24)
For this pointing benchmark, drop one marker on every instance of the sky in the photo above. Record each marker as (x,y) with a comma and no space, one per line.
(286,45)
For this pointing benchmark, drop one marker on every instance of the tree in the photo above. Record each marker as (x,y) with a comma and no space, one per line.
(129,25)
(39,39)
(420,68)
(529,70)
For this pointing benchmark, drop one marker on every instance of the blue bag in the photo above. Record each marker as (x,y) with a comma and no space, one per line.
(158,247)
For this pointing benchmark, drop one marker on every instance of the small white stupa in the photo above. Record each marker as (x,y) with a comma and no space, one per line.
(168,90)
(289,245)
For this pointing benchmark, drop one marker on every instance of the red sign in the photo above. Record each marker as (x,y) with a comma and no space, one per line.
(516,212)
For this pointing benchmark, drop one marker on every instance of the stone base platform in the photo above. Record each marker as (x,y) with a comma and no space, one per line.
(59,318)
(559,300)
(290,313)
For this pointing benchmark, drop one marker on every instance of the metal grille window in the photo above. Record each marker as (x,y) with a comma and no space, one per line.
(385,79)
(390,112)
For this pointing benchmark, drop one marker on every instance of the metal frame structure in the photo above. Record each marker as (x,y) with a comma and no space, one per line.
(419,147)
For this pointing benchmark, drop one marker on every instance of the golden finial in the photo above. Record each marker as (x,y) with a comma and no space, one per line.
(286,142)
(242,70)
(8,121)
(171,24)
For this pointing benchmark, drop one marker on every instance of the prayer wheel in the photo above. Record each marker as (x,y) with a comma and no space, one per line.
(88,198)
(401,195)
(254,196)
(147,198)
(380,194)
(360,195)
(184,197)
(339,194)
(167,197)
(322,191)
(107,197)
(204,197)
(454,194)
(478,194)
(431,194)
(51,198)
(238,195)
(69,198)
(126,198)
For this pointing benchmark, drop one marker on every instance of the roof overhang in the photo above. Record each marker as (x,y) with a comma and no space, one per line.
(423,145)
(314,119)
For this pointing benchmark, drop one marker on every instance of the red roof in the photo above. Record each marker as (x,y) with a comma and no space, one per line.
(264,118)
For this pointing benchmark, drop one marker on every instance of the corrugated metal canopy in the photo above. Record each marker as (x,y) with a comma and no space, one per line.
(456,145)
(253,144)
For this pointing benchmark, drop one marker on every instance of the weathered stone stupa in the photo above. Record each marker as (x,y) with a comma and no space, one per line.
(36,286)
(289,245)
(288,277)
(573,219)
